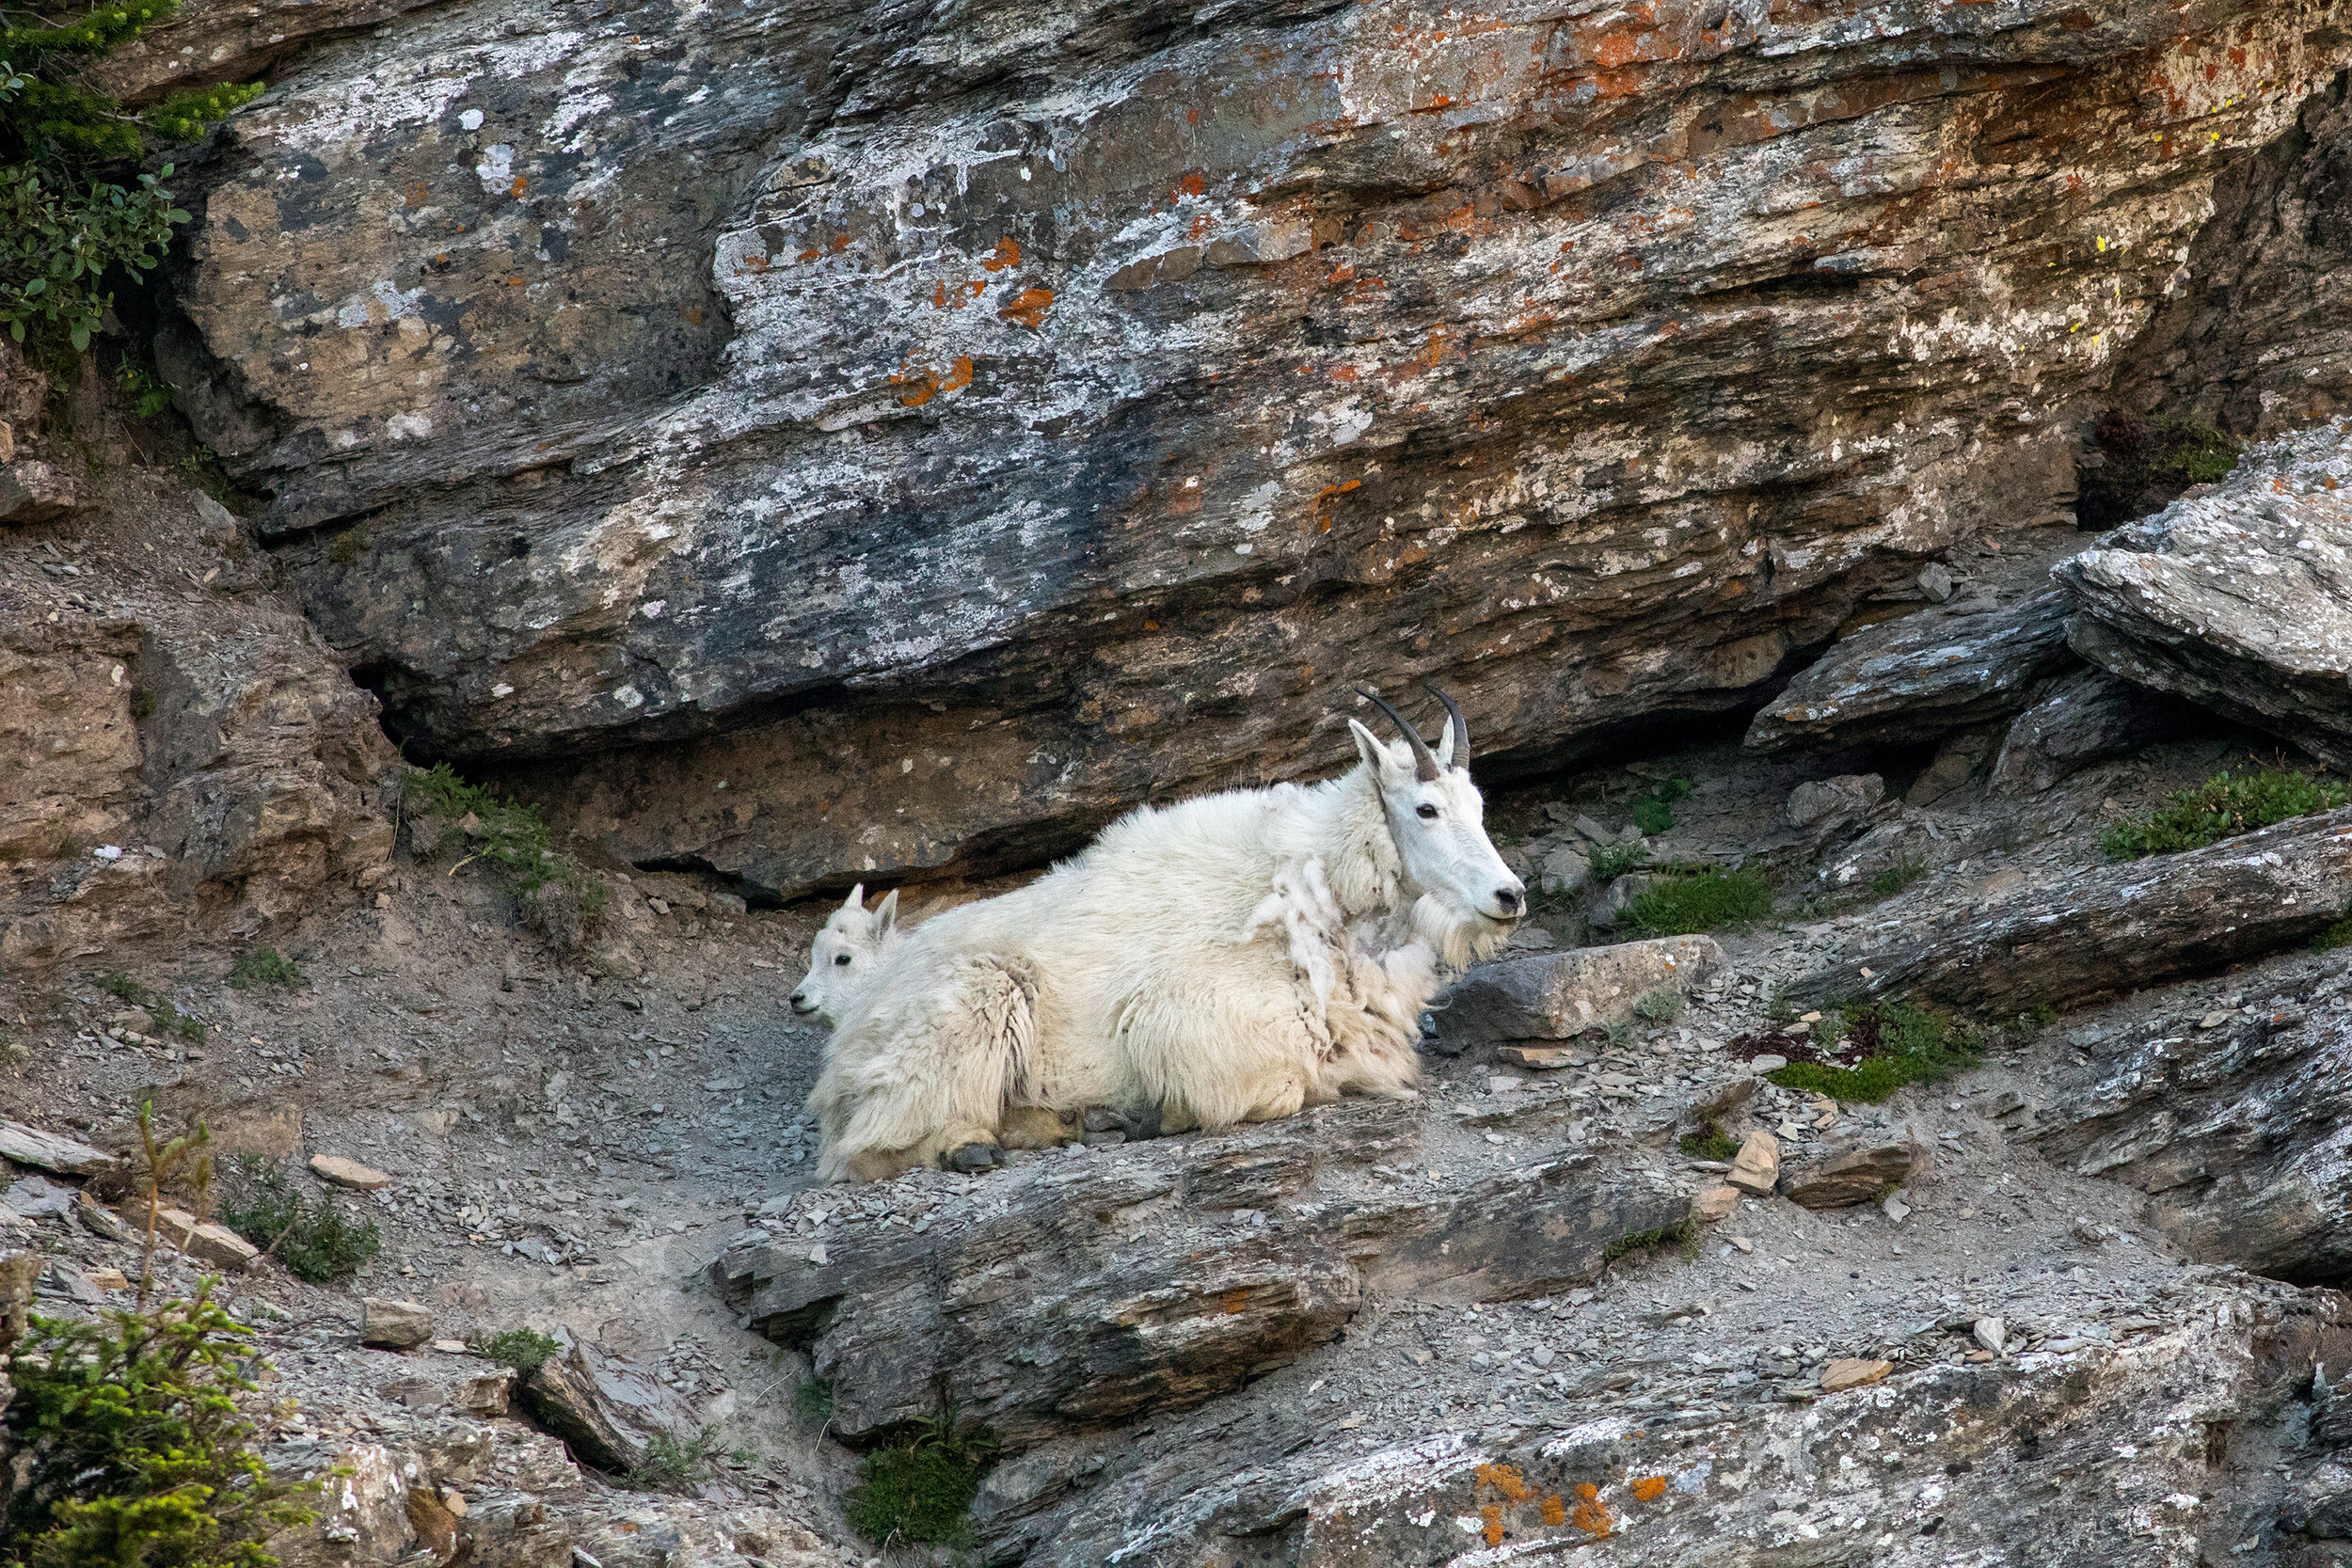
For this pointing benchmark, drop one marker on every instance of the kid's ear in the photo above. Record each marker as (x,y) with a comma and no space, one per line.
(887,913)
(856,900)
(1368,747)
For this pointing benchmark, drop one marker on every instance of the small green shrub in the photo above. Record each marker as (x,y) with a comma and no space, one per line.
(555,894)
(168,1019)
(150,394)
(2335,936)
(1610,861)
(1654,813)
(317,1242)
(1683,1233)
(1892,1044)
(1709,1142)
(264,966)
(137,1446)
(2222,807)
(1661,1005)
(812,1401)
(1893,878)
(522,1348)
(1683,903)
(670,1466)
(921,1494)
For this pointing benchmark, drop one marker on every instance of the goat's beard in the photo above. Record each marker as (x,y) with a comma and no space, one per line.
(1460,937)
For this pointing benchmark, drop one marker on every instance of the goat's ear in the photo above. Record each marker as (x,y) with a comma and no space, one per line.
(855,901)
(1368,748)
(887,913)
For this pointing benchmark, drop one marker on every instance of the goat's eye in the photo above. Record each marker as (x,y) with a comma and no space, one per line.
(1428,813)
(842,957)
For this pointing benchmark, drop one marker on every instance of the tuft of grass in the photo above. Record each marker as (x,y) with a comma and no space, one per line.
(812,1401)
(1683,1233)
(2338,935)
(1709,1142)
(1654,813)
(1660,1004)
(264,966)
(556,897)
(2222,807)
(1683,903)
(522,1348)
(670,1466)
(317,1242)
(1893,878)
(921,1494)
(1888,1046)
(1610,861)
(168,1019)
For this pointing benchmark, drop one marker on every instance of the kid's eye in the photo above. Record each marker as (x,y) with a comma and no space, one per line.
(1428,814)
(841,959)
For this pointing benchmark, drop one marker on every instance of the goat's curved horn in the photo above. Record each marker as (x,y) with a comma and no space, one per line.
(1461,726)
(1425,760)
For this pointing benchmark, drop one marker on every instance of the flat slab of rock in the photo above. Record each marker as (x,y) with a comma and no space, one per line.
(607,1407)
(50,1151)
(1755,1169)
(1557,996)
(348,1173)
(1109,1290)
(1920,677)
(2239,599)
(391,1324)
(1842,1180)
(209,1243)
(1853,1371)
(2116,927)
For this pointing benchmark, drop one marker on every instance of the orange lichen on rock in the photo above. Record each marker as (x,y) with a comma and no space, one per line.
(1507,1480)
(1028,307)
(1553,1509)
(1649,1489)
(1591,1515)
(1007,254)
(1492,1513)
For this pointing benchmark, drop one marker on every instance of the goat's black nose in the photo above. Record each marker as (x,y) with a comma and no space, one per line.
(1508,897)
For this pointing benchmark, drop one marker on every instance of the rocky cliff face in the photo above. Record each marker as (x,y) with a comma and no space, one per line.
(950,427)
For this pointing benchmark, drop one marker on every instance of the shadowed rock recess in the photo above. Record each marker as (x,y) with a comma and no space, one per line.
(950,426)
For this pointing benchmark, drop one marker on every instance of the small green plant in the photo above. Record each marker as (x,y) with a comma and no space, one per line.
(1890,1045)
(1610,861)
(1654,813)
(1892,879)
(1685,902)
(1661,1005)
(2222,807)
(1829,1031)
(2335,936)
(2147,462)
(1683,1233)
(556,897)
(812,1401)
(264,966)
(150,394)
(317,1242)
(1709,1142)
(921,1493)
(522,1348)
(1618,1035)
(135,1443)
(2022,1029)
(168,1019)
(670,1466)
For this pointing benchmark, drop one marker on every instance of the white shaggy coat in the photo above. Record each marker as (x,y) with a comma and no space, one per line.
(1228,959)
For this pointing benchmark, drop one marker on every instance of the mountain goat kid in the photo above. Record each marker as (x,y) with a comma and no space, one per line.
(849,948)
(1231,957)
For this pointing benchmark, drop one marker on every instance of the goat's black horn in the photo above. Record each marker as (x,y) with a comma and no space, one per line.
(1425,760)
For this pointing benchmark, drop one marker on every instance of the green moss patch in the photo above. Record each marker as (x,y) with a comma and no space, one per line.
(1709,1142)
(1684,902)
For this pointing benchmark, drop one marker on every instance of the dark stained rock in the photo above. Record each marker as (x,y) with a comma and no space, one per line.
(2238,599)
(951,426)
(2078,719)
(1920,677)
(607,1409)
(2236,1123)
(1118,1289)
(2113,928)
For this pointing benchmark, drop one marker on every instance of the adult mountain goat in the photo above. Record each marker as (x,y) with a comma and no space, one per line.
(1231,957)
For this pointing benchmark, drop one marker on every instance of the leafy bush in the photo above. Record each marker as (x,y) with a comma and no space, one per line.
(1886,1046)
(522,1348)
(1654,813)
(2222,807)
(670,1466)
(317,1242)
(922,1493)
(812,1401)
(264,966)
(1685,902)
(136,1445)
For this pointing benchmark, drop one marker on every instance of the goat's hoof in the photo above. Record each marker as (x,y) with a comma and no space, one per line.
(973,1158)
